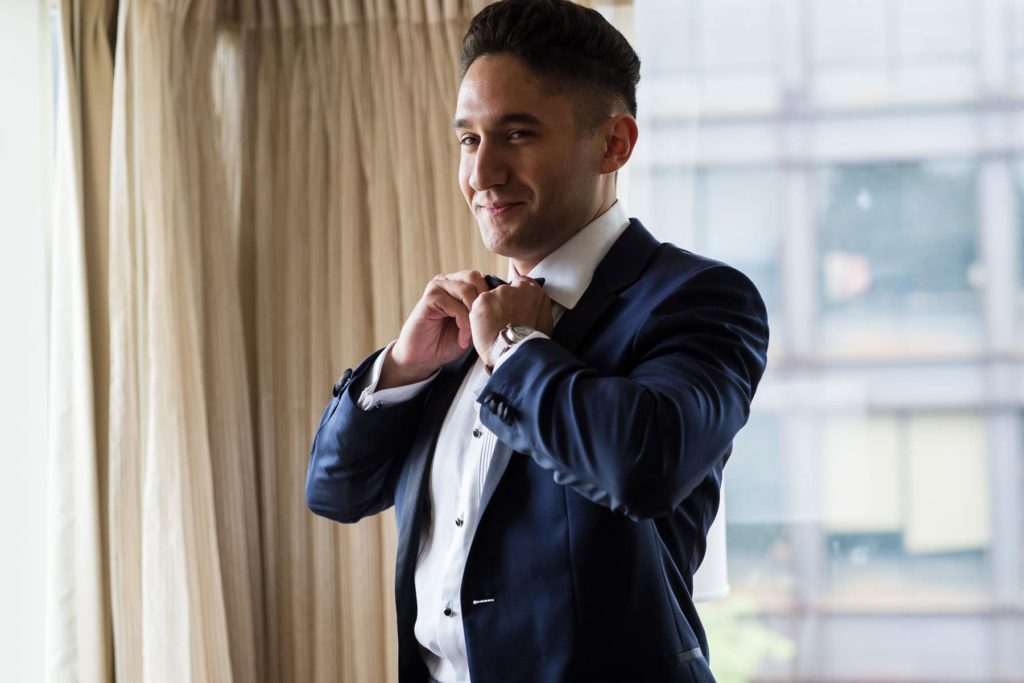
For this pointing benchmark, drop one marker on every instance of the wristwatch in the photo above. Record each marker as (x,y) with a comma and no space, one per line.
(509,337)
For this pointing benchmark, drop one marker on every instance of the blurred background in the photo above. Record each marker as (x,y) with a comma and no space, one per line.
(861,160)
(25,181)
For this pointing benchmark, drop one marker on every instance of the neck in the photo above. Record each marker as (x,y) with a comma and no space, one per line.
(524,266)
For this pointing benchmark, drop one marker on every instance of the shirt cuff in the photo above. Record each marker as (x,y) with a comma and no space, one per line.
(370,398)
(515,347)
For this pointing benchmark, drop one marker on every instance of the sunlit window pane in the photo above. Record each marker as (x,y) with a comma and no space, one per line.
(1018,179)
(851,156)
(906,509)
(737,34)
(848,32)
(899,262)
(736,219)
(930,30)
(760,548)
(664,30)
(899,237)
(1015,17)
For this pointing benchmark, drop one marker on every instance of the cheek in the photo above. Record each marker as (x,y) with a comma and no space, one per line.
(467,190)
(561,177)
(566,165)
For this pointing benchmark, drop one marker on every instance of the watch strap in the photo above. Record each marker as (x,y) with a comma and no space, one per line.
(507,338)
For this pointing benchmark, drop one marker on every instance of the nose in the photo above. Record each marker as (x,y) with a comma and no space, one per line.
(489,167)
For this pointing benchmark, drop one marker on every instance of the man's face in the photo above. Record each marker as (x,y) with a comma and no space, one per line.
(529,176)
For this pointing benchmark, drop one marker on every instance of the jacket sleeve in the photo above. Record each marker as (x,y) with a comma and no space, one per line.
(639,441)
(356,453)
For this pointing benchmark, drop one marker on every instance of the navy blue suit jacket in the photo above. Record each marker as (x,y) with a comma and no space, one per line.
(612,439)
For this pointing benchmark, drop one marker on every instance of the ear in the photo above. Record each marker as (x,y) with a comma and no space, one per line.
(620,133)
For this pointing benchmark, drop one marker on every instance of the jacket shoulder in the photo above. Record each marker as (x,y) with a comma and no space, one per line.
(639,258)
(671,267)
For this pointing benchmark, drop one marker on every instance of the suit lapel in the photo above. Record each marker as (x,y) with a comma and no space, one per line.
(620,267)
(499,462)
(577,322)
(419,460)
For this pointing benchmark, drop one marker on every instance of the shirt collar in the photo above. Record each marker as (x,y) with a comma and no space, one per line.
(568,270)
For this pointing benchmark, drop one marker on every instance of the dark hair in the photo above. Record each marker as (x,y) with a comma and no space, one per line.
(569,47)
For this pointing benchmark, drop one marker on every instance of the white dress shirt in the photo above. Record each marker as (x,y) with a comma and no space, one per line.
(462,457)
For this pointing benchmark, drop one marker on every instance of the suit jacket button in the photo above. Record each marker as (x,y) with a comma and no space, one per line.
(339,386)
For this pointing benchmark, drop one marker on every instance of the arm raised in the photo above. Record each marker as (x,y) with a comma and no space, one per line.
(639,441)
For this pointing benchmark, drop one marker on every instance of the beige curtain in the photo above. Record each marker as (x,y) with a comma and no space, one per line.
(282,185)
(78,618)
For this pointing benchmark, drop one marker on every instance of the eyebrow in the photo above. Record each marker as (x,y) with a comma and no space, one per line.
(515,117)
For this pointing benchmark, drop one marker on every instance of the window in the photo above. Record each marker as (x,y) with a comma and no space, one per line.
(1017,297)
(735,218)
(728,214)
(858,160)
(849,33)
(759,545)
(930,31)
(737,35)
(906,506)
(898,249)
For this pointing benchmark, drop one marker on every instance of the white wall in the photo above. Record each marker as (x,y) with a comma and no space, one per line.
(24,145)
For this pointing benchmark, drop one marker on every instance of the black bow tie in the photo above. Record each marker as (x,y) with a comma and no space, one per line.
(494,281)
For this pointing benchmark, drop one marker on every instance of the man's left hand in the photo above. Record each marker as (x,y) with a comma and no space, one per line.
(522,302)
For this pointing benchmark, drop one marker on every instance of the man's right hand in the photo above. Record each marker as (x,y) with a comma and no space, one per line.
(436,332)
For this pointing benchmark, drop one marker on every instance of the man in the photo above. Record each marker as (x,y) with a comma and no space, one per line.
(553,446)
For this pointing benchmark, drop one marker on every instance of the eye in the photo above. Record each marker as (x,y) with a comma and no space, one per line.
(519,134)
(467,140)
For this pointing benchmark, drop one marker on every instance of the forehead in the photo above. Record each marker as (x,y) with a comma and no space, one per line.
(496,86)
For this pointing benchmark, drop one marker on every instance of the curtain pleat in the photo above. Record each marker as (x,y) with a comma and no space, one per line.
(78,631)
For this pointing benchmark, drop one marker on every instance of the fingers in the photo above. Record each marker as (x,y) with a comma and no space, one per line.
(545,317)
(450,307)
(454,294)
(465,285)
(524,281)
(533,290)
(523,301)
(466,297)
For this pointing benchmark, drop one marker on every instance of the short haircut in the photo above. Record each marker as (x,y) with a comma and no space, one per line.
(570,48)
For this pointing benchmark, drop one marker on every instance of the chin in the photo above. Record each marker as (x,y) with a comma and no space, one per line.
(512,240)
(495,240)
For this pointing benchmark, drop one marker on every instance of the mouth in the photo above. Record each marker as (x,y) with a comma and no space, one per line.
(499,208)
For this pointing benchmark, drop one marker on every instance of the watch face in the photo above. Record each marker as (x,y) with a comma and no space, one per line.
(520,332)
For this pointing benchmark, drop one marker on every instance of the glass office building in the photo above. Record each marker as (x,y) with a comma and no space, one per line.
(863,162)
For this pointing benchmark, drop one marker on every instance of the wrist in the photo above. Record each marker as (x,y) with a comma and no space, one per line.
(395,373)
(509,336)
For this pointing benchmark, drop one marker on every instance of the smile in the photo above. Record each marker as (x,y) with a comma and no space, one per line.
(500,209)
